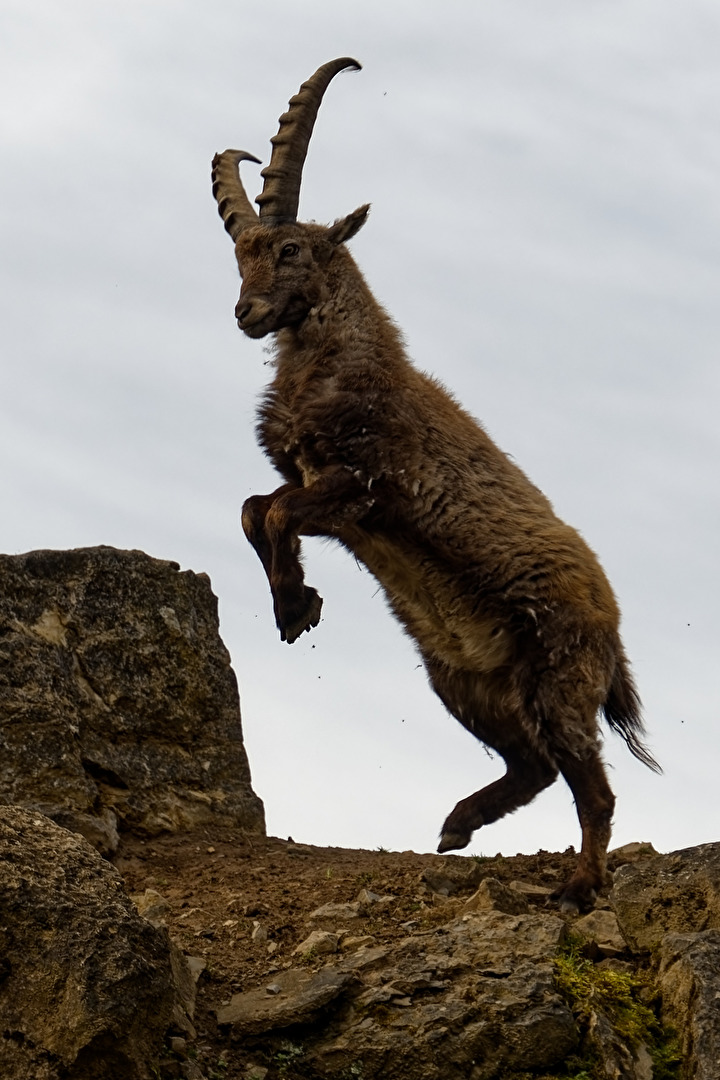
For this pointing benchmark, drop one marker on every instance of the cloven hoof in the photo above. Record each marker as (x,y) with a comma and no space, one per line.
(452,841)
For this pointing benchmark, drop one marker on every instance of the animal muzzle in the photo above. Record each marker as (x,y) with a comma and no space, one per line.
(254,315)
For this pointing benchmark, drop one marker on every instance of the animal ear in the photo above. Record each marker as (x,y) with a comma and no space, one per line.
(346,227)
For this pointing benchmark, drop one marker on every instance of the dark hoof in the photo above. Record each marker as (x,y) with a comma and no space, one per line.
(452,841)
(301,618)
(574,899)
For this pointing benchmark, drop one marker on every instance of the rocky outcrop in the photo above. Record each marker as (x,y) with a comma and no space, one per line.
(86,985)
(679,892)
(118,705)
(475,998)
(670,905)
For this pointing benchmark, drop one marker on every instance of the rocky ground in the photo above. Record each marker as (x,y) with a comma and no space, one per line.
(244,905)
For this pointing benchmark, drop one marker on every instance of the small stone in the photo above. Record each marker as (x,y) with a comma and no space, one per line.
(366,899)
(259,933)
(178,1045)
(272,947)
(197,965)
(492,895)
(602,928)
(630,853)
(349,944)
(152,906)
(319,941)
(333,911)
(527,889)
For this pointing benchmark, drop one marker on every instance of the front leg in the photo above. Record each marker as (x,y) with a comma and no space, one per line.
(300,607)
(273,524)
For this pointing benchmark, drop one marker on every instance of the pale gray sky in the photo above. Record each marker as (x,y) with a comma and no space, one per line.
(545,230)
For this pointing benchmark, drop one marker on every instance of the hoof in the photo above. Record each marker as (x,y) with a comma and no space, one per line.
(295,623)
(573,900)
(452,841)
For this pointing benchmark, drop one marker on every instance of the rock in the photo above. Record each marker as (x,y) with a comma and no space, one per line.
(474,999)
(318,943)
(367,899)
(196,966)
(350,942)
(152,906)
(295,996)
(630,853)
(492,895)
(337,912)
(454,874)
(601,927)
(619,1062)
(118,705)
(87,985)
(540,892)
(674,893)
(689,979)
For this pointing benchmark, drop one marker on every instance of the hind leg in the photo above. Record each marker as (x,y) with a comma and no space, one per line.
(527,775)
(595,803)
(484,705)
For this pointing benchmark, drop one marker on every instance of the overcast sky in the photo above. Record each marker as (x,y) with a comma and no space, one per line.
(545,184)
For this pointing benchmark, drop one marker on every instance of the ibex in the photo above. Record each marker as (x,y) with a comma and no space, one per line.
(510,610)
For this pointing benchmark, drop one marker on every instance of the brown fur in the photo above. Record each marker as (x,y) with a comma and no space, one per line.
(510,610)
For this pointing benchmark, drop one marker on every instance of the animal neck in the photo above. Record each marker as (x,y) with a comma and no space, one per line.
(347,325)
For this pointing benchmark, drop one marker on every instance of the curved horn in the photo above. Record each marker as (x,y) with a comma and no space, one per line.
(234,207)
(281,188)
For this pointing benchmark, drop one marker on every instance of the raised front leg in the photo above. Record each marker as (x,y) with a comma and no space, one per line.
(300,605)
(273,524)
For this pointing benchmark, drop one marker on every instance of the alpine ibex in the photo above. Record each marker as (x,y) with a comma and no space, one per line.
(511,613)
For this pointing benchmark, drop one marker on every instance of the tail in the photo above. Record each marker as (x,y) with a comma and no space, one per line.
(622,711)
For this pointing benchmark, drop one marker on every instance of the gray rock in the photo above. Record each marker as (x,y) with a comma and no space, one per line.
(689,979)
(118,704)
(632,852)
(452,875)
(492,895)
(540,892)
(318,942)
(601,927)
(87,986)
(294,996)
(333,912)
(674,893)
(474,999)
(619,1062)
(152,906)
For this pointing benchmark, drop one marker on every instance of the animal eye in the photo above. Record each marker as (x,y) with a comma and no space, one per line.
(288,250)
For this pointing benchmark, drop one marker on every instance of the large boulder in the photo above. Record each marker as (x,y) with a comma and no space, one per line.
(476,999)
(118,705)
(669,905)
(86,984)
(675,893)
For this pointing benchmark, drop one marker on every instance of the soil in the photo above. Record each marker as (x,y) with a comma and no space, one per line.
(241,905)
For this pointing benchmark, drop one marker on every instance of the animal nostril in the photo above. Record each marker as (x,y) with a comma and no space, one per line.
(242,311)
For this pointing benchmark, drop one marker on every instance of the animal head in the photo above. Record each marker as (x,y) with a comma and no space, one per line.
(282,262)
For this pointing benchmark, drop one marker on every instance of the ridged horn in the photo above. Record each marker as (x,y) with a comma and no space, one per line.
(234,207)
(280,195)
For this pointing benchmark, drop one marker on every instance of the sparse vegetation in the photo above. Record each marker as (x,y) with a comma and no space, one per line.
(589,989)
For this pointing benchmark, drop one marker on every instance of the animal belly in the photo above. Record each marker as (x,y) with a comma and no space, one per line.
(426,599)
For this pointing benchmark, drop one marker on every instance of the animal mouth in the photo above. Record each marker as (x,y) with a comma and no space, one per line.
(259,318)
